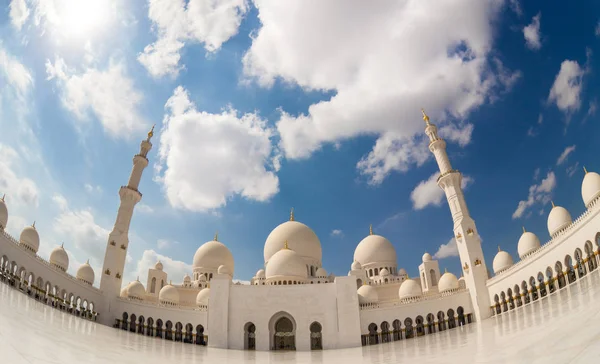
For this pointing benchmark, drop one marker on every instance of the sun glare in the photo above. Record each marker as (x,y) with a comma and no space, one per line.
(80,18)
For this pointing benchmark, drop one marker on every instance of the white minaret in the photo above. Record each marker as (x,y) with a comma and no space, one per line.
(118,240)
(465,231)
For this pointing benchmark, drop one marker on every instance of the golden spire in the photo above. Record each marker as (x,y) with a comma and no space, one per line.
(151,132)
(33,225)
(292,214)
(445,270)
(425,117)
(524,231)
(499,250)
(216,236)
(585,170)
(552,202)
(371,229)
(285,245)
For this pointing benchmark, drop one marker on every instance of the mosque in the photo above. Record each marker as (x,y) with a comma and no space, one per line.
(292,302)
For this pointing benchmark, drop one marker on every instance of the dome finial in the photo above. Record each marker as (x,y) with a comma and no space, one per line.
(585,170)
(552,202)
(87,261)
(3,197)
(151,132)
(445,270)
(62,245)
(33,225)
(425,117)
(371,229)
(138,278)
(292,214)
(524,231)
(499,250)
(216,236)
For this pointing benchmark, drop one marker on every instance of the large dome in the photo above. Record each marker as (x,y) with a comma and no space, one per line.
(286,263)
(590,187)
(30,238)
(559,218)
(367,294)
(409,289)
(3,214)
(528,243)
(86,273)
(202,297)
(448,281)
(60,258)
(375,249)
(300,238)
(211,255)
(169,294)
(502,261)
(136,289)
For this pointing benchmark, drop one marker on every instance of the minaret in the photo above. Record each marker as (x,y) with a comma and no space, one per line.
(465,231)
(118,239)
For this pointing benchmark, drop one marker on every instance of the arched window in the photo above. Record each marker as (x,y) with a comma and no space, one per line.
(153,285)
(250,334)
(423,280)
(433,277)
(316,338)
(162,283)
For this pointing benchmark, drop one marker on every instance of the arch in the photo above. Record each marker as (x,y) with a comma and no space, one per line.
(579,259)
(178,331)
(359,283)
(433,277)
(541,284)
(189,333)
(373,337)
(153,285)
(560,276)
(132,323)
(141,323)
(461,316)
(550,279)
(430,323)
(591,259)
(150,329)
(518,296)
(200,335)
(503,301)
(570,270)
(420,328)
(408,328)
(159,328)
(169,330)
(497,304)
(282,329)
(511,301)
(534,292)
(441,321)
(385,332)
(451,319)
(316,337)
(397,333)
(250,336)
(125,320)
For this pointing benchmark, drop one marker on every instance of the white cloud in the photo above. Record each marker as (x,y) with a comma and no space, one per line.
(144,209)
(516,7)
(565,155)
(429,193)
(537,193)
(240,282)
(17,188)
(110,95)
(91,189)
(532,33)
(382,61)
(572,169)
(206,158)
(566,90)
(447,250)
(175,269)
(177,22)
(19,12)
(163,244)
(337,232)
(60,201)
(15,73)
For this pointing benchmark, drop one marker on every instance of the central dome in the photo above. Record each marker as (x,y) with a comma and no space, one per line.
(300,238)
(211,255)
(375,249)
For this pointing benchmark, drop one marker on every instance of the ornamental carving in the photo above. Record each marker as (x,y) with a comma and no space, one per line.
(118,276)
(107,272)
(123,246)
(477,262)
(458,236)
(466,267)
(113,243)
(470,231)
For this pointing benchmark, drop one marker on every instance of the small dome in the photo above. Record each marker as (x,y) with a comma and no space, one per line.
(260,274)
(86,273)
(136,289)
(367,294)
(202,297)
(502,261)
(321,272)
(211,255)
(223,270)
(300,238)
(30,238)
(448,281)
(355,266)
(559,218)
(402,272)
(3,214)
(426,257)
(384,272)
(124,291)
(286,263)
(202,278)
(528,243)
(375,249)
(169,294)
(60,258)
(409,289)
(590,187)
(158,266)
(187,278)
(462,283)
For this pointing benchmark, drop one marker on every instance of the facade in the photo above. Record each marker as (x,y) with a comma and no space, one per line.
(293,303)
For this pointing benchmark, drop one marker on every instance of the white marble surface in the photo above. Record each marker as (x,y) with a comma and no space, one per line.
(561,328)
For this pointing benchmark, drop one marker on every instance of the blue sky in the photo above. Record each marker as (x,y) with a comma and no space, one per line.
(263,106)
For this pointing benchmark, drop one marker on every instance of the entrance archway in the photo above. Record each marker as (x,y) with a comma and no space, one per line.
(282,328)
(316,339)
(250,336)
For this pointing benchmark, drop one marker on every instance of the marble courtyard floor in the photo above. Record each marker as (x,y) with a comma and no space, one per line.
(561,328)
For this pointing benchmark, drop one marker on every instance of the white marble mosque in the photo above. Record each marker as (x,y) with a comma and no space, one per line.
(292,302)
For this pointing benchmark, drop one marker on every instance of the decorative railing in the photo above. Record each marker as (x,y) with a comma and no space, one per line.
(45,262)
(160,305)
(424,298)
(559,237)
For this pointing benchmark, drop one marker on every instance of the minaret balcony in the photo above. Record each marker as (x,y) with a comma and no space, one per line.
(447,173)
(132,189)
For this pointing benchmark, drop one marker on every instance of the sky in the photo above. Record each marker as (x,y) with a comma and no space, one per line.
(261,106)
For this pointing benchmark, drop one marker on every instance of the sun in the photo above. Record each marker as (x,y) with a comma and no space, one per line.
(81,18)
